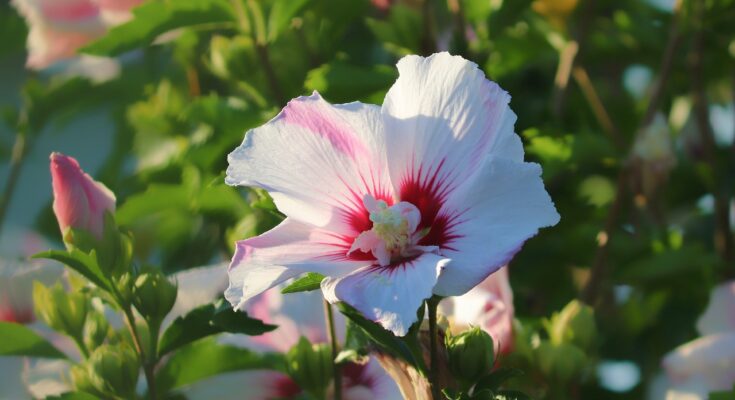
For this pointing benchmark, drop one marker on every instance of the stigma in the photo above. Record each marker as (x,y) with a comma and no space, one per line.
(393,236)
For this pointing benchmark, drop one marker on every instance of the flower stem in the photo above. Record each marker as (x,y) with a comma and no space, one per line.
(332,336)
(20,150)
(432,304)
(147,364)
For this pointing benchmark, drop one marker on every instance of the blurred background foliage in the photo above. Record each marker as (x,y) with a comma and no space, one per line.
(646,228)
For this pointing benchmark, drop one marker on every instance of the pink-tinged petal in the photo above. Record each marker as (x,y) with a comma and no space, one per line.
(197,287)
(79,201)
(117,5)
(69,11)
(489,305)
(712,357)
(298,314)
(317,161)
(256,385)
(16,288)
(46,47)
(288,250)
(489,221)
(444,119)
(719,317)
(388,295)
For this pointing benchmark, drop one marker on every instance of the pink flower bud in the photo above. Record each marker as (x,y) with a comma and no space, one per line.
(79,201)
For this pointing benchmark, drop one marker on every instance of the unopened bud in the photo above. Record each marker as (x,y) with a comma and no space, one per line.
(79,201)
(62,311)
(471,355)
(114,370)
(95,330)
(574,324)
(80,380)
(124,287)
(154,295)
(561,361)
(310,366)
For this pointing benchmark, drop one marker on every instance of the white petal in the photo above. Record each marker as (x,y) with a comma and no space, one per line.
(489,221)
(719,317)
(316,160)
(390,295)
(288,250)
(489,305)
(229,386)
(712,357)
(197,287)
(444,119)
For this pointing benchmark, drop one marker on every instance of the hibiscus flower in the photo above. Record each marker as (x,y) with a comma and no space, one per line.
(58,28)
(489,305)
(706,364)
(428,194)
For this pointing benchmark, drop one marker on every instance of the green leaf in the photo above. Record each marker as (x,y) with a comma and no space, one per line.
(597,190)
(454,394)
(207,358)
(401,33)
(229,320)
(282,12)
(209,320)
(155,18)
(85,264)
(342,82)
(73,396)
(493,380)
(511,395)
(308,282)
(19,340)
(385,339)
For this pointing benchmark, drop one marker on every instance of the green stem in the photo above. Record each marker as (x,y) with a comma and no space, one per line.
(432,304)
(20,150)
(147,364)
(332,336)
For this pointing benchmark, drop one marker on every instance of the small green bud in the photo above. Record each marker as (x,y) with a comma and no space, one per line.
(124,286)
(310,366)
(471,355)
(95,330)
(230,56)
(154,295)
(80,380)
(62,311)
(561,361)
(574,324)
(114,370)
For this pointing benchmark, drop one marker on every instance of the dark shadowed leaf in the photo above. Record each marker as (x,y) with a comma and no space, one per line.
(209,320)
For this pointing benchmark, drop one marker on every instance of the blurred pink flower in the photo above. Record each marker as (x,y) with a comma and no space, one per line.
(428,194)
(706,364)
(79,201)
(296,315)
(58,28)
(16,284)
(489,305)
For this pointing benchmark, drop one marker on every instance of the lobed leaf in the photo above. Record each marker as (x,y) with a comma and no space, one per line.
(209,320)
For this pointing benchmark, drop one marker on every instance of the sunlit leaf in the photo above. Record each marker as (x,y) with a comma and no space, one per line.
(19,340)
